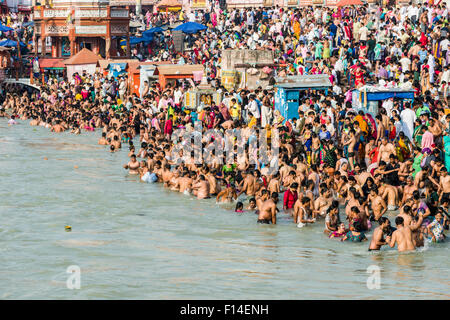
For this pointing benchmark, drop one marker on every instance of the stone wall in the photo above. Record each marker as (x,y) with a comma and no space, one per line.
(231,58)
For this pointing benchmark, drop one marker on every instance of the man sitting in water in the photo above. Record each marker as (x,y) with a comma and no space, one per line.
(228,194)
(268,212)
(403,236)
(132,165)
(57,127)
(200,188)
(378,234)
(103,141)
(12,121)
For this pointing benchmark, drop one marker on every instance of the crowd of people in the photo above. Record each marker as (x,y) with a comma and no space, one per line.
(346,168)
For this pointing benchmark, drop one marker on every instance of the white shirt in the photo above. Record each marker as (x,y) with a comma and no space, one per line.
(405,62)
(177,96)
(363,31)
(408,117)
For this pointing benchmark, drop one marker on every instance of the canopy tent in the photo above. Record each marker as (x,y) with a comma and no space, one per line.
(152,31)
(169,5)
(344,3)
(191,27)
(366,98)
(144,39)
(10,43)
(5,28)
(85,60)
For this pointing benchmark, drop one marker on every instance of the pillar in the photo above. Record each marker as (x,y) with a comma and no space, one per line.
(72,45)
(43,47)
(128,45)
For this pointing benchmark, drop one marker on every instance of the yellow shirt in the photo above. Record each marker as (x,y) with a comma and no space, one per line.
(252,122)
(235,111)
(78,97)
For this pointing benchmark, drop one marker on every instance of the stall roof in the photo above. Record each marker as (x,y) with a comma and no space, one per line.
(103,63)
(176,69)
(305,81)
(133,67)
(48,63)
(85,56)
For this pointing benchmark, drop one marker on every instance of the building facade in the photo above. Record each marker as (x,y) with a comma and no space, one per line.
(68,26)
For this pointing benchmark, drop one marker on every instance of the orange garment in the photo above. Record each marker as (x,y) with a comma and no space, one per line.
(362,123)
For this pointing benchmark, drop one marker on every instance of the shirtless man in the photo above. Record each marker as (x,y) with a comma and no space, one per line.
(34,122)
(377,203)
(444,184)
(166,175)
(361,176)
(57,127)
(249,185)
(378,234)
(158,170)
(213,184)
(116,143)
(390,193)
(408,190)
(403,236)
(322,203)
(132,165)
(386,149)
(185,183)
(228,194)
(174,182)
(274,184)
(103,141)
(268,212)
(200,188)
(261,199)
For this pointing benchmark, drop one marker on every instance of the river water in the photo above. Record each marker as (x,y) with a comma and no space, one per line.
(133,240)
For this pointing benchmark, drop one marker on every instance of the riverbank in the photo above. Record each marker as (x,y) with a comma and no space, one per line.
(135,240)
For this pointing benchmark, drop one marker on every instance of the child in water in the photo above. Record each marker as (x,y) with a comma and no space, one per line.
(239,207)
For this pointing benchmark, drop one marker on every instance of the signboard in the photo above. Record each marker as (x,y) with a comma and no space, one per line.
(198,4)
(178,40)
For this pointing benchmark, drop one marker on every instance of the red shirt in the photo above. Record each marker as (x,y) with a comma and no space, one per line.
(289,199)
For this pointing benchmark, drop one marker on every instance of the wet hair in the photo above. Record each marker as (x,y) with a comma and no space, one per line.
(399,220)
(239,206)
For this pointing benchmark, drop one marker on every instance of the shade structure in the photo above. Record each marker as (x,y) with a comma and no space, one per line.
(11,43)
(152,31)
(191,27)
(85,56)
(4,28)
(344,3)
(145,39)
(169,5)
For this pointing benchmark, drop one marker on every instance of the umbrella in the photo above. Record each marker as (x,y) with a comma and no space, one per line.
(152,31)
(11,43)
(191,27)
(136,40)
(344,3)
(5,28)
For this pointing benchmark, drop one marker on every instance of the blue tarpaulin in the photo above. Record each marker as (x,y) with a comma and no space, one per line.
(10,43)
(191,27)
(5,28)
(151,31)
(116,69)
